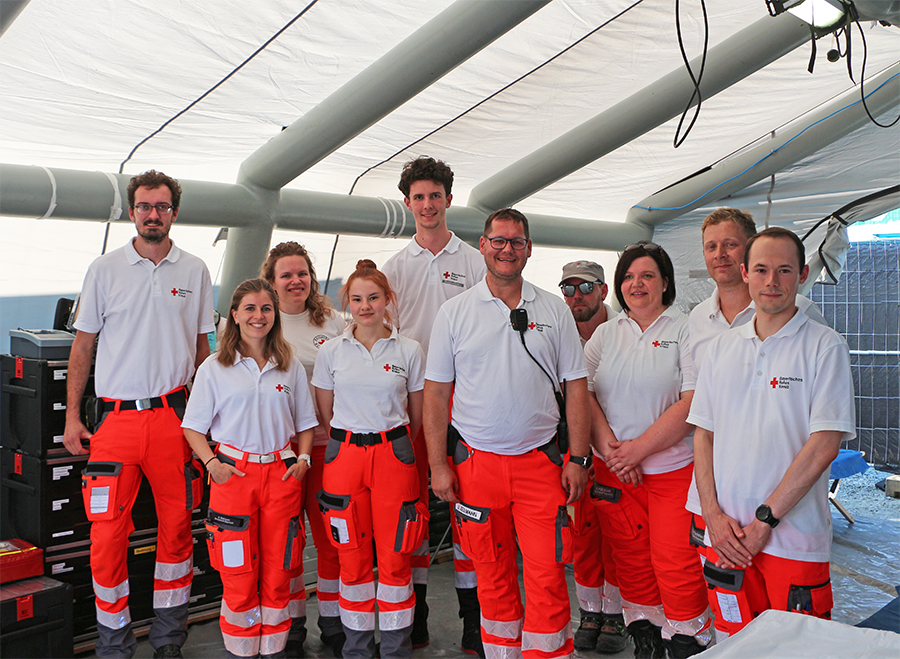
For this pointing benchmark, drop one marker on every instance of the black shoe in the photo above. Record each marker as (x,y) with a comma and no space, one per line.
(613,635)
(335,642)
(588,631)
(681,646)
(167,651)
(647,637)
(294,649)
(419,635)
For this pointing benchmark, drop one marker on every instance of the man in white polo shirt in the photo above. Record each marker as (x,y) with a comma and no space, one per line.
(602,626)
(434,267)
(773,402)
(151,305)
(504,350)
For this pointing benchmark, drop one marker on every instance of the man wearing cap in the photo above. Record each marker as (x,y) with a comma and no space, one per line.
(602,627)
(151,304)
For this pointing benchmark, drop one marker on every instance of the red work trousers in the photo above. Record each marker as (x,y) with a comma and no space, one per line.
(501,498)
(738,596)
(255,538)
(592,558)
(650,527)
(127,444)
(328,567)
(373,492)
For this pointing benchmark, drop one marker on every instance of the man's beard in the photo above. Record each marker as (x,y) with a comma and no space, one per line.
(584,315)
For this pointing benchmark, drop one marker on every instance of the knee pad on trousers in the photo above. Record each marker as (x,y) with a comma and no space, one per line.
(228,538)
(412,525)
(99,486)
(340,517)
(475,532)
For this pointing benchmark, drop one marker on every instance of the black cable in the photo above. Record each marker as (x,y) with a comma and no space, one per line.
(862,79)
(499,91)
(218,84)
(331,263)
(687,65)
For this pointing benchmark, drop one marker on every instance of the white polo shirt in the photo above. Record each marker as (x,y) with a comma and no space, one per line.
(424,281)
(370,388)
(251,410)
(637,376)
(306,339)
(148,317)
(707,322)
(762,400)
(502,402)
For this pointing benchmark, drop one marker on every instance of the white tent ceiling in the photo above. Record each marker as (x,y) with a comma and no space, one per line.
(82,83)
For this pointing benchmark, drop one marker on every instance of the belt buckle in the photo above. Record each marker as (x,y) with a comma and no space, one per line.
(142,404)
(267,458)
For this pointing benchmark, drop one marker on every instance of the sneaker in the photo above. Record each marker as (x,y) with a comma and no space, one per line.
(681,646)
(335,642)
(647,637)
(613,635)
(170,650)
(588,631)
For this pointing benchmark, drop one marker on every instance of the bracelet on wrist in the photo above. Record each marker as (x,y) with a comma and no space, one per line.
(210,460)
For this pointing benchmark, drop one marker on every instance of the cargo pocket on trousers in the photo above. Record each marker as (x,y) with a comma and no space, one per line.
(615,521)
(193,483)
(563,546)
(811,600)
(475,533)
(99,483)
(296,540)
(730,602)
(340,516)
(411,526)
(228,537)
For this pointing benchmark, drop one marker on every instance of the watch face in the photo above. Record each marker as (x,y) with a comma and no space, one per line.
(763,513)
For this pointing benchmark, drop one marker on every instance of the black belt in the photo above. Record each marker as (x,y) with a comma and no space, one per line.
(368,438)
(177,398)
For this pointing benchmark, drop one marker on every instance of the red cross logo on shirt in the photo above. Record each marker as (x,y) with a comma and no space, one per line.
(321,341)
(656,344)
(774,382)
(174,291)
(279,387)
(387,367)
(531,325)
(446,275)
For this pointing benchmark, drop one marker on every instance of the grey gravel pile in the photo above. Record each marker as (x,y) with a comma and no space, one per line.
(860,496)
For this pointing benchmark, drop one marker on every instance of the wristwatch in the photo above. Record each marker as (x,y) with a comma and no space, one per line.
(307,457)
(585,462)
(764,514)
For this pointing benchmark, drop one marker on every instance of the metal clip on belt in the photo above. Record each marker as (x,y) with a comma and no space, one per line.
(177,398)
(368,438)
(258,458)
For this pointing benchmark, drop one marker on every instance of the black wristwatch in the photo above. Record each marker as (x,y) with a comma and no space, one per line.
(585,462)
(764,514)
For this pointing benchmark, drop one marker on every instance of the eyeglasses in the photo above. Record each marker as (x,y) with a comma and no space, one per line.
(145,209)
(645,245)
(500,243)
(586,288)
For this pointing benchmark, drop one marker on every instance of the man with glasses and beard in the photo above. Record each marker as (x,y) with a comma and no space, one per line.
(151,305)
(602,626)
(494,348)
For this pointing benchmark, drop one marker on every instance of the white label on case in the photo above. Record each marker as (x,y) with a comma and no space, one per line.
(731,610)
(59,503)
(59,568)
(99,500)
(233,553)
(62,534)
(60,374)
(57,439)
(61,472)
(339,530)
(59,407)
